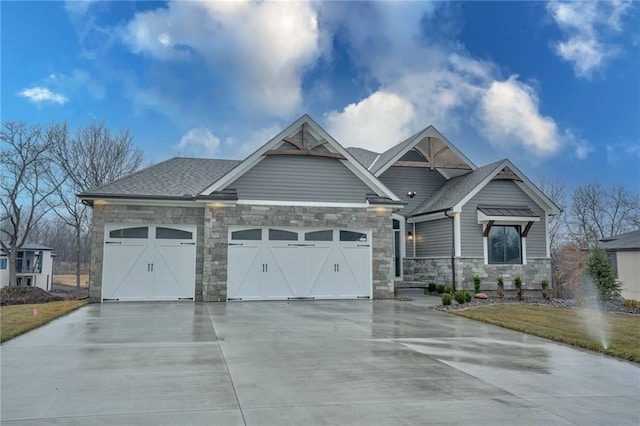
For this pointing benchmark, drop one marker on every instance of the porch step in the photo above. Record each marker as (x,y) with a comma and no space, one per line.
(410,284)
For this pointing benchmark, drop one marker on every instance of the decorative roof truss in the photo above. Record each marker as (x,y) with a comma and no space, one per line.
(434,155)
(306,145)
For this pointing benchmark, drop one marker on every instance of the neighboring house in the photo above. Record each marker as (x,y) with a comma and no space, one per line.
(624,255)
(303,217)
(34,266)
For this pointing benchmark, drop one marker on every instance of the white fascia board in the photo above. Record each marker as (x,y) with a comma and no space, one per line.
(254,158)
(428,217)
(534,193)
(302,203)
(428,132)
(374,162)
(483,218)
(458,207)
(352,164)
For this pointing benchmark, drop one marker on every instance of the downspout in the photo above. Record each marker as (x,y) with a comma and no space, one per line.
(453,250)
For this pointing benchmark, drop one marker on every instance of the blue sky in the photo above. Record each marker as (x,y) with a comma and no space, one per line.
(554,86)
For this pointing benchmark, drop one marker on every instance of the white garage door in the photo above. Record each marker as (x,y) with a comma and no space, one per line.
(149,262)
(284,263)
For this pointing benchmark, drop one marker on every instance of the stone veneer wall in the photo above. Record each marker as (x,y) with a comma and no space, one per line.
(130,214)
(218,219)
(438,270)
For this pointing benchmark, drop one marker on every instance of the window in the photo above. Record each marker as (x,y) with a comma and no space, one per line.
(353,236)
(172,234)
(319,236)
(3,263)
(247,235)
(280,235)
(142,232)
(504,244)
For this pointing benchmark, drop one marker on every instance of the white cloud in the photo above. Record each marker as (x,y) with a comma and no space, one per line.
(77,82)
(39,95)
(587,24)
(623,150)
(198,141)
(78,7)
(510,114)
(375,123)
(260,49)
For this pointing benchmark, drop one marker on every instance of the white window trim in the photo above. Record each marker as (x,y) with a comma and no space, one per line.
(523,243)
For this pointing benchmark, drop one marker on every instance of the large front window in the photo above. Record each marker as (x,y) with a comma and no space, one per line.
(504,244)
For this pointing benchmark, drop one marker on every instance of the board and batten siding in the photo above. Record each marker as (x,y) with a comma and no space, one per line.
(500,193)
(421,180)
(434,238)
(298,178)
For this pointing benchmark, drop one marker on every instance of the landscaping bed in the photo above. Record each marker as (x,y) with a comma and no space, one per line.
(613,306)
(20,295)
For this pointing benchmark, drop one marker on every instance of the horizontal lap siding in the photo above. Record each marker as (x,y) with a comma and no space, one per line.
(297,178)
(500,193)
(433,238)
(421,180)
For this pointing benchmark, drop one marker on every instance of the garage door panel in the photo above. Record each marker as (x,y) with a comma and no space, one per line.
(149,262)
(354,269)
(174,272)
(126,272)
(299,263)
(244,269)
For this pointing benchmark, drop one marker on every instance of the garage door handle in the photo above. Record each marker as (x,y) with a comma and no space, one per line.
(113,242)
(236,244)
(187,244)
(362,245)
(301,245)
(148,267)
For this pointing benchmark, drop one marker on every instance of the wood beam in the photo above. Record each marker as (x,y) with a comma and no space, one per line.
(305,152)
(440,151)
(429,165)
(294,143)
(526,230)
(488,228)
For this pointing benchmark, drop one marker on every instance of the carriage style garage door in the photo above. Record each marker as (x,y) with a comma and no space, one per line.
(149,262)
(284,263)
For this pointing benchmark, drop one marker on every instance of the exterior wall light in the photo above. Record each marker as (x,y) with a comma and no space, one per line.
(409,236)
(411,194)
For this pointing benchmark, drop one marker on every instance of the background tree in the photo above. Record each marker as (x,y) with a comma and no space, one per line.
(94,156)
(598,212)
(556,190)
(25,184)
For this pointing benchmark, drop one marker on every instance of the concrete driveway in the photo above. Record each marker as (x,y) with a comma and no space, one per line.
(302,363)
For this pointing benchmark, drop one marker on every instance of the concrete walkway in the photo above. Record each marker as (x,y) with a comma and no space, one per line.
(302,363)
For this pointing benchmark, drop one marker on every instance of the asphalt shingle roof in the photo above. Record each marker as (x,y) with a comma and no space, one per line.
(454,190)
(628,241)
(178,176)
(388,155)
(364,156)
(30,247)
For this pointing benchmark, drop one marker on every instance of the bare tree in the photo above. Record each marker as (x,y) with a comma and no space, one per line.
(556,190)
(599,212)
(94,156)
(25,185)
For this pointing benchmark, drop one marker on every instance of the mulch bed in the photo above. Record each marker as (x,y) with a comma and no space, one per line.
(613,306)
(21,295)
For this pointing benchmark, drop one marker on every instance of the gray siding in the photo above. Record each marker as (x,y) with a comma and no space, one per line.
(434,238)
(401,180)
(297,178)
(506,193)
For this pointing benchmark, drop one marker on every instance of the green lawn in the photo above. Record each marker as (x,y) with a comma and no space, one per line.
(564,325)
(18,319)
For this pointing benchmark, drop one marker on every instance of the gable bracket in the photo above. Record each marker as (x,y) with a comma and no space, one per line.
(525,232)
(488,228)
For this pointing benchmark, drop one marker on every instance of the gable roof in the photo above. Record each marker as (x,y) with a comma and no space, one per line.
(349,161)
(176,177)
(626,241)
(394,153)
(364,156)
(456,192)
(29,247)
